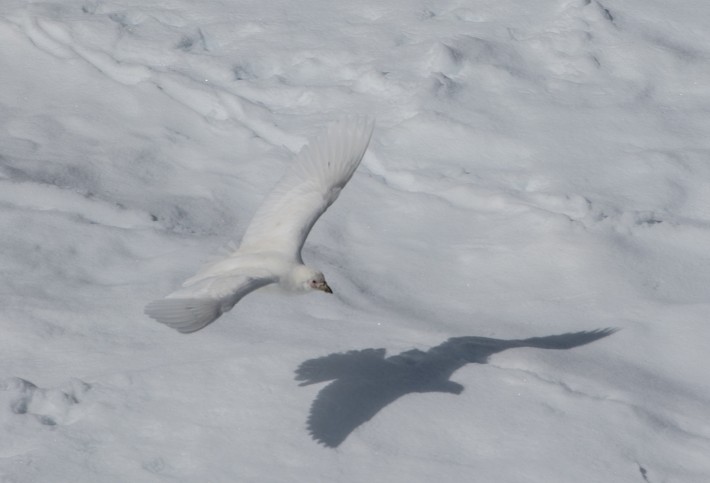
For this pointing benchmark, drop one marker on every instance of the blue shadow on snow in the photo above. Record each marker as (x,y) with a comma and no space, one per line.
(365,381)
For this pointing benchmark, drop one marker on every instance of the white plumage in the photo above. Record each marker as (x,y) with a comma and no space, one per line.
(270,251)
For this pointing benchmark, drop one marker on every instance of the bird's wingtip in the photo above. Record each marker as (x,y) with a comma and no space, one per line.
(184,315)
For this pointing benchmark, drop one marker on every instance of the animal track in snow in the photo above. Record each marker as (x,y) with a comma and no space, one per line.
(49,407)
(573,46)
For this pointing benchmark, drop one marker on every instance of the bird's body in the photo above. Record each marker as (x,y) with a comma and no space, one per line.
(270,251)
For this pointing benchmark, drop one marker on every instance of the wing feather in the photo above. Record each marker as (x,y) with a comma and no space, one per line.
(200,303)
(313,183)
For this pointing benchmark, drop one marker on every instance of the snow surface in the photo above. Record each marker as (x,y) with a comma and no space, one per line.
(539,173)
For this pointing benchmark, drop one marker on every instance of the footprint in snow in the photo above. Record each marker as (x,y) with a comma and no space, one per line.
(49,407)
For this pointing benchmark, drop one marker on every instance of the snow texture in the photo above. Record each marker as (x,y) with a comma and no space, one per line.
(538,179)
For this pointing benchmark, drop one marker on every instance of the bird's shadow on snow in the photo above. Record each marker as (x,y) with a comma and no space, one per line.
(365,381)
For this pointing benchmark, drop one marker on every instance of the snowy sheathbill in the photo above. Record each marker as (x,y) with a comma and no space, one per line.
(270,250)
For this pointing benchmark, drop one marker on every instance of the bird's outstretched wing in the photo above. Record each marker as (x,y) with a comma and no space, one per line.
(197,305)
(313,183)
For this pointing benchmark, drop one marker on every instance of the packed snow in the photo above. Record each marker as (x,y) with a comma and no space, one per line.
(520,266)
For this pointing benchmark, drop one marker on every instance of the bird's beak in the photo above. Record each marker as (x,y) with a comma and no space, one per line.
(324,287)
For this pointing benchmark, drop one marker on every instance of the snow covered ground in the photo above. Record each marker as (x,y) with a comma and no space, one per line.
(539,173)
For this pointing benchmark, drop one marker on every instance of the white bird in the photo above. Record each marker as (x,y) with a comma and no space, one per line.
(270,251)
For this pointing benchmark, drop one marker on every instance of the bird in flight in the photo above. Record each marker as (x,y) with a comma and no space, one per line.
(270,250)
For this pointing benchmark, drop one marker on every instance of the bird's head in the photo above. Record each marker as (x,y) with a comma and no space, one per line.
(309,279)
(317,282)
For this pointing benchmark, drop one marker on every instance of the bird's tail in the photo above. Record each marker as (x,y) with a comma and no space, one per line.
(185,315)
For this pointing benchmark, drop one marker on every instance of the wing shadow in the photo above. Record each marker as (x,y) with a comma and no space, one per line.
(365,381)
